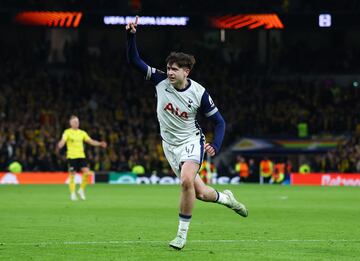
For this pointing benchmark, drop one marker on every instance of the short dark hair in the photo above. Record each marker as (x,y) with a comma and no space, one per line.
(184,60)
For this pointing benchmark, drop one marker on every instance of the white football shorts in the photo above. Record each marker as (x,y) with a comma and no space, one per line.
(176,155)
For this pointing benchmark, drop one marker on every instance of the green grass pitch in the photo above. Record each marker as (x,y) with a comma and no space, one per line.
(136,222)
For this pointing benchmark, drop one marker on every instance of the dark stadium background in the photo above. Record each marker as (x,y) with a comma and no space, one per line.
(265,83)
(289,94)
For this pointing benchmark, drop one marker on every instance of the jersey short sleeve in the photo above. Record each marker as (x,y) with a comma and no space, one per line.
(86,136)
(207,105)
(65,135)
(155,75)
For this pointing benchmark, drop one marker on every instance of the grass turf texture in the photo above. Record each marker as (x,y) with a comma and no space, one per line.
(125,222)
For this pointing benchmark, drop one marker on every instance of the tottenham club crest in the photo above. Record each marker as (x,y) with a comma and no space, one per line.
(190,102)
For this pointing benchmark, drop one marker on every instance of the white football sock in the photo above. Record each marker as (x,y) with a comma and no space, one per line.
(222,198)
(184,222)
(183,228)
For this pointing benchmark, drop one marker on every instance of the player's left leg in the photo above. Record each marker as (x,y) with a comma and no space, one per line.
(226,198)
(72,186)
(86,172)
(187,198)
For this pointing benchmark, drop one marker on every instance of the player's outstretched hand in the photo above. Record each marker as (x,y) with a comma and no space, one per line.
(103,144)
(132,25)
(209,149)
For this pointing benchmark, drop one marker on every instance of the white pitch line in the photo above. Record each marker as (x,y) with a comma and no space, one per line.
(190,241)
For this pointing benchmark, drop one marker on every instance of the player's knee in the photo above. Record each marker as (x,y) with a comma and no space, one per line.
(187,182)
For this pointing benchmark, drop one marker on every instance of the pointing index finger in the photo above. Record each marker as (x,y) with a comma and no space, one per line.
(136,20)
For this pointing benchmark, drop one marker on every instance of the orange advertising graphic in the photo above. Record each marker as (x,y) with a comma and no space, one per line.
(251,21)
(40,178)
(51,19)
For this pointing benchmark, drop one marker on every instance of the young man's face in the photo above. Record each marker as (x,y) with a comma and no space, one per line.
(176,74)
(74,122)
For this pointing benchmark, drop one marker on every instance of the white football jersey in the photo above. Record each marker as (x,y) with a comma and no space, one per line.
(177,109)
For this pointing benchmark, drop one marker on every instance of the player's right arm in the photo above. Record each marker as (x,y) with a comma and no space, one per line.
(62,142)
(134,58)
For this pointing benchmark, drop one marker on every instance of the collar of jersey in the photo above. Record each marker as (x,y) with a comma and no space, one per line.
(182,90)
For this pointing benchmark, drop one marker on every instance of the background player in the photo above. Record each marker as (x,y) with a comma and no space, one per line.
(178,101)
(74,139)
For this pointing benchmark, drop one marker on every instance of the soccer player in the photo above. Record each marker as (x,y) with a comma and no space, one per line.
(74,139)
(179,99)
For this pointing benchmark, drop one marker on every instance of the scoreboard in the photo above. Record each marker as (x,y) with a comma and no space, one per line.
(263,21)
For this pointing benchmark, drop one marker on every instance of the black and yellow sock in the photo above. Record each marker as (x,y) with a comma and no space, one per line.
(84,181)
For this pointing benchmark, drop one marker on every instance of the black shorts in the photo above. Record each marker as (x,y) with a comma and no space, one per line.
(77,164)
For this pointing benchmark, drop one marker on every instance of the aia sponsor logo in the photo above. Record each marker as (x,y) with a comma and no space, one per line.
(175,111)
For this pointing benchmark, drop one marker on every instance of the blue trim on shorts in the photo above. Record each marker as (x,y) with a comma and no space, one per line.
(201,149)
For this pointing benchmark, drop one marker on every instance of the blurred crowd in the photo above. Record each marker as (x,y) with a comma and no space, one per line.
(37,101)
(115,104)
(345,159)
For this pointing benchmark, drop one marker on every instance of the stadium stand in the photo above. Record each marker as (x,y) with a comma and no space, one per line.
(36,101)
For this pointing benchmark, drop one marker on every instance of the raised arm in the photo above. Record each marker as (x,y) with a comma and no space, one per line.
(134,58)
(132,52)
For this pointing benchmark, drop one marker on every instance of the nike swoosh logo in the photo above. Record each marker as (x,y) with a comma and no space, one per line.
(168,90)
